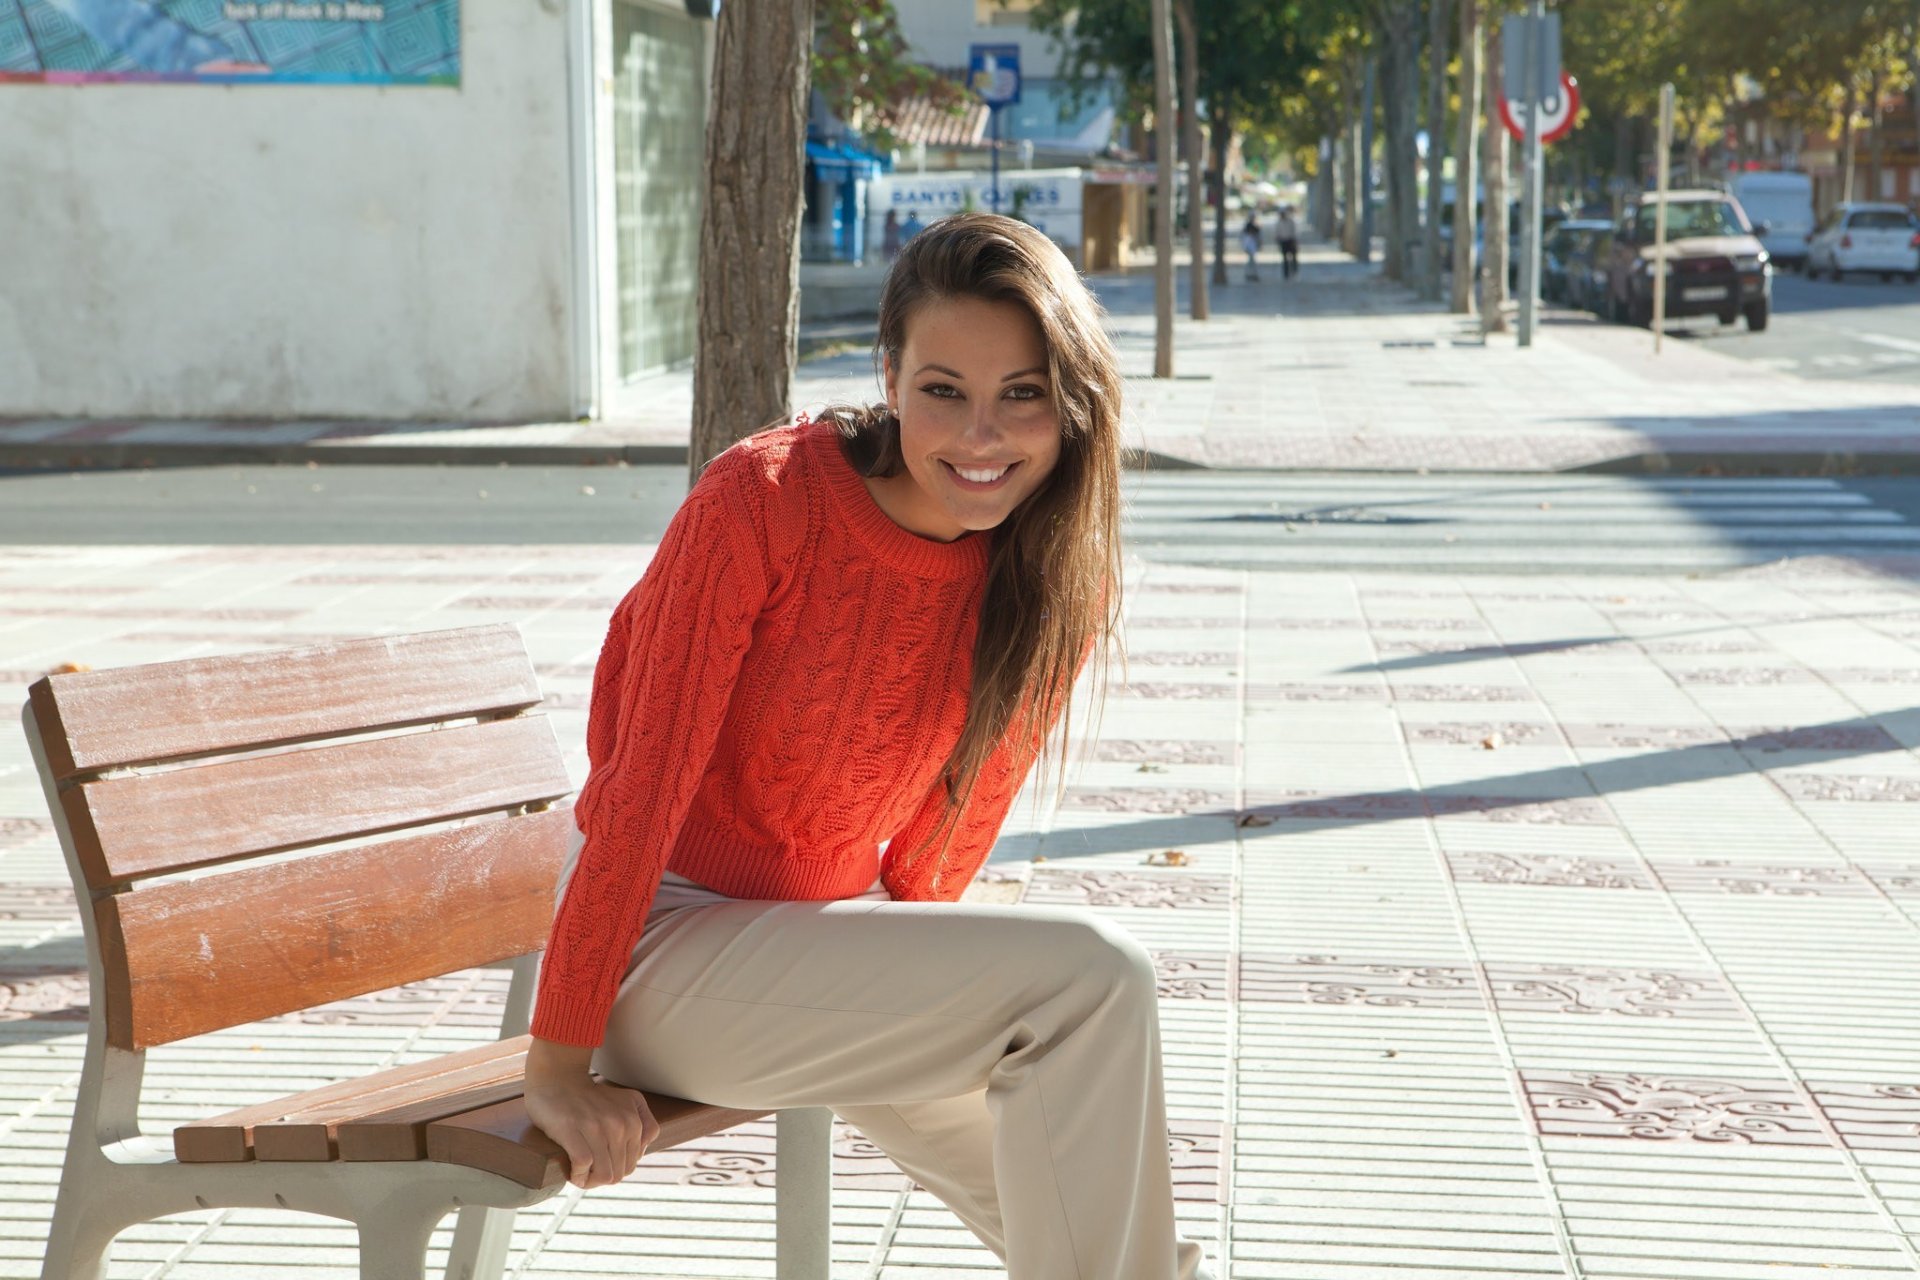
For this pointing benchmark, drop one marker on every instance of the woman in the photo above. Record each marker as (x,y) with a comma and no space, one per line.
(859,631)
(1250,241)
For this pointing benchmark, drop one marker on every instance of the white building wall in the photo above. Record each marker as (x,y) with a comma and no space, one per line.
(296,251)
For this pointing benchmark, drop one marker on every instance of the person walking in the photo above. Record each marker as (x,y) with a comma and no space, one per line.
(808,721)
(1287,232)
(1250,241)
(890,235)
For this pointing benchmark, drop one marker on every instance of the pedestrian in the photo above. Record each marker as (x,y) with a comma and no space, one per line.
(1287,232)
(1250,241)
(859,631)
(890,235)
(911,227)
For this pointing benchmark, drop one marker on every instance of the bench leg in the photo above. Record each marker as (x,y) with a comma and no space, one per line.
(481,1237)
(77,1246)
(803,1193)
(393,1244)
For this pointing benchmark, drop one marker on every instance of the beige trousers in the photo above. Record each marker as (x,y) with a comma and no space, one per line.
(1007,1058)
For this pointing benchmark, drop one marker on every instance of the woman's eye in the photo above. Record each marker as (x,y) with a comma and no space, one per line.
(941,390)
(1025,393)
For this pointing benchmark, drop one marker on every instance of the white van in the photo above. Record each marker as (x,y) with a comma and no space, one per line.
(1784,202)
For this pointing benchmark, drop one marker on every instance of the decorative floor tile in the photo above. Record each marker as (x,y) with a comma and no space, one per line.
(1562,871)
(1164,751)
(1671,1109)
(1849,787)
(1505,733)
(1631,992)
(1722,875)
(1130,889)
(1336,980)
(1161,800)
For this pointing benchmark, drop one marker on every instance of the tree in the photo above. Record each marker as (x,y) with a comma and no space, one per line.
(1196,158)
(1493,258)
(1466,158)
(749,306)
(1438,11)
(766,59)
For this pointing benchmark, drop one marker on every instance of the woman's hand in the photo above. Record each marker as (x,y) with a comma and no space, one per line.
(603,1128)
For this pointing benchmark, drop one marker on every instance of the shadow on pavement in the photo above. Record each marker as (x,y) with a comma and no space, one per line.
(1566,795)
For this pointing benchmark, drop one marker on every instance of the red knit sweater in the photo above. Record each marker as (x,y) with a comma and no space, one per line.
(775,699)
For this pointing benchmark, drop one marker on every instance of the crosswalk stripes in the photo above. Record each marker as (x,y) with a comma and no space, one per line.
(1505,524)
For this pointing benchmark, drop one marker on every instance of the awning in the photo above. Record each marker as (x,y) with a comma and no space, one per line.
(840,156)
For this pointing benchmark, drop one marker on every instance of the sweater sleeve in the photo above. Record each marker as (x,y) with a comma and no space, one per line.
(661,689)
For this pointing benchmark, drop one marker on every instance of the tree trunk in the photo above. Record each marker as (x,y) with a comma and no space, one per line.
(1222,139)
(1196,160)
(1846,145)
(1400,88)
(1625,170)
(1874,141)
(1466,153)
(1350,164)
(1437,15)
(1164,136)
(1323,208)
(749,302)
(1493,264)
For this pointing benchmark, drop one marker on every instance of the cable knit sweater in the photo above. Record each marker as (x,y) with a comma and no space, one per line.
(775,700)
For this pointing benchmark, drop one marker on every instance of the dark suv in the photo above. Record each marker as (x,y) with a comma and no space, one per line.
(1714,262)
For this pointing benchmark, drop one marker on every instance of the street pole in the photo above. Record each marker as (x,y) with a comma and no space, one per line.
(1660,215)
(1163,131)
(1536,56)
(993,129)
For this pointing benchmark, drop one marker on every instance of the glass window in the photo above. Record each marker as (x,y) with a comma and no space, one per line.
(1879,220)
(1687,218)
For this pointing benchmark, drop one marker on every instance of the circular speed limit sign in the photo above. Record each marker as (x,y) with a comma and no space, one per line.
(1557,113)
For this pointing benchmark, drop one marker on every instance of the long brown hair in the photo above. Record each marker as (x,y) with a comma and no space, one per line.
(1053,575)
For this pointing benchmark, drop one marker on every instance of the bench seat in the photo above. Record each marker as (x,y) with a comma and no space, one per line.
(464,1108)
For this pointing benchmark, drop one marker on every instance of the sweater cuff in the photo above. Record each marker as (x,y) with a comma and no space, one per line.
(580,1023)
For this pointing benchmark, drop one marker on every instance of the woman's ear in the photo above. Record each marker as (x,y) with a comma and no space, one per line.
(888,377)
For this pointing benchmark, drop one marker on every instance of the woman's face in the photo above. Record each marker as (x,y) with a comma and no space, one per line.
(978,425)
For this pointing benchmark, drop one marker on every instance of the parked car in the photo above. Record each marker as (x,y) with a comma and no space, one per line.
(1564,253)
(1714,263)
(1883,238)
(1780,204)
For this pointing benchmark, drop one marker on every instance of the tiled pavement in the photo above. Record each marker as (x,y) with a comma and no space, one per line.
(1560,927)
(1336,371)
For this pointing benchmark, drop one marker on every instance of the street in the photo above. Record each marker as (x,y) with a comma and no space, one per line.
(1860,329)
(1240,520)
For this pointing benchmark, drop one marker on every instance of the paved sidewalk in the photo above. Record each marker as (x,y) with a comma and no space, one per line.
(1335,371)
(1558,928)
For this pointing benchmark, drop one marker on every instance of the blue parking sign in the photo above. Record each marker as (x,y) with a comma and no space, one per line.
(993,72)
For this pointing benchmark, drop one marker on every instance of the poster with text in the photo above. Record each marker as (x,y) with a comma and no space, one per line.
(231,41)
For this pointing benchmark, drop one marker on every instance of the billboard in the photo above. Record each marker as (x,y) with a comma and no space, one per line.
(231,41)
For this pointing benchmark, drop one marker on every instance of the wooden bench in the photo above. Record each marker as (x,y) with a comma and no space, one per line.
(256,834)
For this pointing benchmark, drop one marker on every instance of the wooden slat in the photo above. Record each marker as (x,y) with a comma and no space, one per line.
(163,711)
(226,1138)
(187,957)
(501,1140)
(311,1132)
(147,824)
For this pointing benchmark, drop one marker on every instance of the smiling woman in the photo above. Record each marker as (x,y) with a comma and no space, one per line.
(809,721)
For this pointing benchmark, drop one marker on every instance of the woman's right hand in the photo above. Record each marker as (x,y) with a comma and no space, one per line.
(603,1128)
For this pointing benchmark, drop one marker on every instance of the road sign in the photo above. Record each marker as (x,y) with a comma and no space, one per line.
(1557,112)
(1516,34)
(993,72)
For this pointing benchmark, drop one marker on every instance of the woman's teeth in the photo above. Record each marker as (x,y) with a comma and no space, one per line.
(978,476)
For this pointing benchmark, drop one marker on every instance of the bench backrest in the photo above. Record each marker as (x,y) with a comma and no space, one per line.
(276,768)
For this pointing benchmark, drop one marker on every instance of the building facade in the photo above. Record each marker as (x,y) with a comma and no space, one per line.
(512,242)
